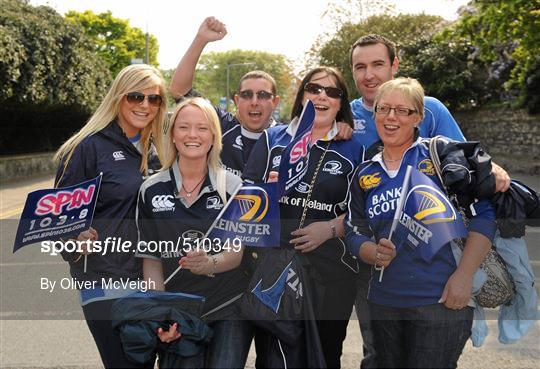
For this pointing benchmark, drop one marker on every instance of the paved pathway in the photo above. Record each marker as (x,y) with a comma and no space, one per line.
(60,343)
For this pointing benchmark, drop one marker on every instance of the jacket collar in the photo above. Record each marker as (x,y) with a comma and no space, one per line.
(209,184)
(377,155)
(293,127)
(114,132)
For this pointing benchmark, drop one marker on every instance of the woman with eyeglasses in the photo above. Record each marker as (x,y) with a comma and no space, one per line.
(119,141)
(312,214)
(420,310)
(179,204)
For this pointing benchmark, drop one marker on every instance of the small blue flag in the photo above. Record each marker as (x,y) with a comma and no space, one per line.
(427,219)
(58,212)
(252,216)
(295,157)
(271,297)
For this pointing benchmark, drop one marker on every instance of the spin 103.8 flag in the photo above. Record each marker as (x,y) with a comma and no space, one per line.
(57,213)
(251,216)
(295,157)
(426,218)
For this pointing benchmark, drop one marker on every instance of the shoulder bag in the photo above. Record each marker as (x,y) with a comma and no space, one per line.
(499,287)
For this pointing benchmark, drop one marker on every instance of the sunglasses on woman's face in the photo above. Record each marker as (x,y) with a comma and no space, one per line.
(315,88)
(138,97)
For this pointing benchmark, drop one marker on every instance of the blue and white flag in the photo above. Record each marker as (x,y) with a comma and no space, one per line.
(294,158)
(426,219)
(58,212)
(251,216)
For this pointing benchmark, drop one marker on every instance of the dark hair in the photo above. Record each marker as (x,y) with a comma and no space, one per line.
(255,74)
(373,39)
(344,113)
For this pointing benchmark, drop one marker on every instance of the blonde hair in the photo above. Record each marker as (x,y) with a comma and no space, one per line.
(170,151)
(132,78)
(411,89)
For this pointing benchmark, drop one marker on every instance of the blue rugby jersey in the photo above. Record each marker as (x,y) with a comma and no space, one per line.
(163,216)
(328,198)
(409,280)
(437,121)
(237,142)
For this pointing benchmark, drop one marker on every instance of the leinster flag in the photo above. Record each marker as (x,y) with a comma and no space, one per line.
(251,215)
(294,158)
(426,219)
(58,212)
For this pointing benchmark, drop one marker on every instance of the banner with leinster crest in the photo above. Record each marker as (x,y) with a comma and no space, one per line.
(426,219)
(251,216)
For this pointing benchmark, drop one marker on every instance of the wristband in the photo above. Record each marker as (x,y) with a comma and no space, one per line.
(333,229)
(212,274)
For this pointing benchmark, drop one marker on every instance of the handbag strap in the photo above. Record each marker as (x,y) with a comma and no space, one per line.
(434,155)
(308,197)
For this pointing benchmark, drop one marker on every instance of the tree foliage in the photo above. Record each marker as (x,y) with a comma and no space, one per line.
(446,71)
(339,13)
(211,76)
(44,59)
(490,55)
(114,40)
(506,38)
(51,79)
(401,29)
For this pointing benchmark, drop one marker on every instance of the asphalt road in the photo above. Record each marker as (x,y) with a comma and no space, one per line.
(43,329)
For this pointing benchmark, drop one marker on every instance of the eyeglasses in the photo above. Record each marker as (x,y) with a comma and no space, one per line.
(137,98)
(261,95)
(315,88)
(384,109)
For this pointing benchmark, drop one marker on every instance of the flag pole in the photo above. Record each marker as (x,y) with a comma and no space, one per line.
(399,209)
(209,229)
(86,255)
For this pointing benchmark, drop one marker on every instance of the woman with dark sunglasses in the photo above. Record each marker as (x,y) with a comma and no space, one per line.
(312,214)
(117,141)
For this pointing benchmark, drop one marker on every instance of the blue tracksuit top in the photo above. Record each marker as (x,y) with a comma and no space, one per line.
(109,151)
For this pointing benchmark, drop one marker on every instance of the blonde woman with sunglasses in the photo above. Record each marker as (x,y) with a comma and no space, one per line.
(119,141)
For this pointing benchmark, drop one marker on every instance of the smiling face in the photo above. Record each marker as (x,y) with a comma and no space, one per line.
(326,108)
(371,67)
(192,134)
(134,117)
(254,113)
(396,131)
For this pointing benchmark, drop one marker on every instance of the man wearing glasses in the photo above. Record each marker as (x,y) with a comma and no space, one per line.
(255,100)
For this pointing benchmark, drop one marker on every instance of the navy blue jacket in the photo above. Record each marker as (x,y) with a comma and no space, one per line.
(109,151)
(237,142)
